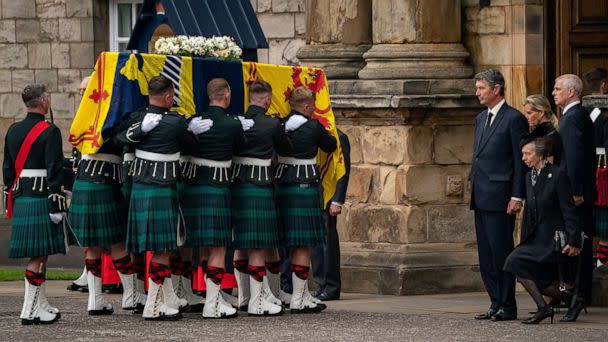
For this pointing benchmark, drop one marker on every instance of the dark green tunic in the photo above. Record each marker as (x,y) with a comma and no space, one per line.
(253,206)
(154,217)
(206,194)
(298,192)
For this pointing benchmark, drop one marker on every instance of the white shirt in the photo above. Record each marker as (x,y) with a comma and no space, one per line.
(494,110)
(570,105)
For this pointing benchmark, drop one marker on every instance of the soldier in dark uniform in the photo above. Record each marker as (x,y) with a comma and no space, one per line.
(35,180)
(597,82)
(298,194)
(154,220)
(206,196)
(255,222)
(99,222)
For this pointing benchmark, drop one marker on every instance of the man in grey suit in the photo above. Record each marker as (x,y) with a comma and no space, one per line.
(326,258)
(498,188)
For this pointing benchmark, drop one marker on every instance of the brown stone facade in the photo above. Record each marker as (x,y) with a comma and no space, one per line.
(54,42)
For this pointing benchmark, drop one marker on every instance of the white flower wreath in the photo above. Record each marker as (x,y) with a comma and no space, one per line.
(196,46)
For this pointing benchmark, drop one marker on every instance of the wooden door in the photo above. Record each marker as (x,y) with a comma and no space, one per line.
(577,38)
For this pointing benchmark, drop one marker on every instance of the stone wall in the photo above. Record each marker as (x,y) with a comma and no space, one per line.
(508,36)
(284,24)
(54,42)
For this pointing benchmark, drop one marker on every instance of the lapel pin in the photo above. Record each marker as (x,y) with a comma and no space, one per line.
(550,175)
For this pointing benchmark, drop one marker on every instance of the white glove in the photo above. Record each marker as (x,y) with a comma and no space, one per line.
(56,217)
(246,123)
(150,122)
(199,125)
(294,122)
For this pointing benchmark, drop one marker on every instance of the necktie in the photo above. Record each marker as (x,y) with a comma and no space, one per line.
(533,176)
(488,121)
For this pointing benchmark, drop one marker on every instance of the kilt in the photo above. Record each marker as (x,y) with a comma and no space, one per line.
(154,216)
(601,221)
(255,217)
(300,215)
(33,233)
(207,215)
(96,214)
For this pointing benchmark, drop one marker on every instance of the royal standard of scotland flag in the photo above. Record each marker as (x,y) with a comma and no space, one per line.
(119,86)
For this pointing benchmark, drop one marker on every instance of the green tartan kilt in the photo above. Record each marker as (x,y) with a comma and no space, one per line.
(601,221)
(300,215)
(207,215)
(154,217)
(255,217)
(33,233)
(96,214)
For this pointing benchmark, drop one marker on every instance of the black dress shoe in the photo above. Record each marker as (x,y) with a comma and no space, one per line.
(76,287)
(505,315)
(324,297)
(317,292)
(486,315)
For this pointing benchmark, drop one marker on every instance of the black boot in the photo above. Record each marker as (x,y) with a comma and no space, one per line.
(577,305)
(542,313)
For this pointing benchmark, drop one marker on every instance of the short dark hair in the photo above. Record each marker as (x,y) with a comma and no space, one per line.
(159,85)
(493,77)
(216,88)
(259,87)
(32,94)
(594,78)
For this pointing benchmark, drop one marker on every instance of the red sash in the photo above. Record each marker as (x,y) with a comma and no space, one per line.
(24,151)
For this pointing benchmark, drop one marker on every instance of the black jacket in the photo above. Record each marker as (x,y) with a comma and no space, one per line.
(342,185)
(576,129)
(549,205)
(46,153)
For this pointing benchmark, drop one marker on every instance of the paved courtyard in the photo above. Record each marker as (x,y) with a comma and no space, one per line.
(355,318)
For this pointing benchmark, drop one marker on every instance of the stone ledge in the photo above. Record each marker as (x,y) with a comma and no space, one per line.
(402,87)
(404,101)
(410,269)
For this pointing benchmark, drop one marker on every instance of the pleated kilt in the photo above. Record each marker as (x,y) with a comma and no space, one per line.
(300,217)
(33,233)
(255,216)
(207,215)
(154,216)
(601,221)
(96,214)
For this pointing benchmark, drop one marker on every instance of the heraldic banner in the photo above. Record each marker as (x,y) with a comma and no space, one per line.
(119,86)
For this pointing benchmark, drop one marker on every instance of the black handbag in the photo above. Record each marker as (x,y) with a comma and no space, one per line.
(561,237)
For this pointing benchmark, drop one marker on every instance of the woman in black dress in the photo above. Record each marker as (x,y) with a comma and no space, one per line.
(549,205)
(543,122)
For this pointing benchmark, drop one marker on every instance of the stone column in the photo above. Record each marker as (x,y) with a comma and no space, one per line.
(416,39)
(338,32)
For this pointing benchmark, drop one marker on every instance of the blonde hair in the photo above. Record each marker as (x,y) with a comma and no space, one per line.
(540,103)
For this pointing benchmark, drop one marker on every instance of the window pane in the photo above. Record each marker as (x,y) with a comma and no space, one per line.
(122,47)
(124,20)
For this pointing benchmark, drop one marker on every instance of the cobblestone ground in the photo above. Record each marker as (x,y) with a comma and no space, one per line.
(343,321)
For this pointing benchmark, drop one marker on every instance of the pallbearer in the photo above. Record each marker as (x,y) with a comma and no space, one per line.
(32,173)
(154,219)
(206,196)
(98,218)
(255,221)
(298,194)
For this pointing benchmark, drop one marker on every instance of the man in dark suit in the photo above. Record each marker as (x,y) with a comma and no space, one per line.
(498,187)
(326,258)
(576,129)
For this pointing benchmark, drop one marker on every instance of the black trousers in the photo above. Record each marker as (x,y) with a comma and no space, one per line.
(494,243)
(325,259)
(586,263)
